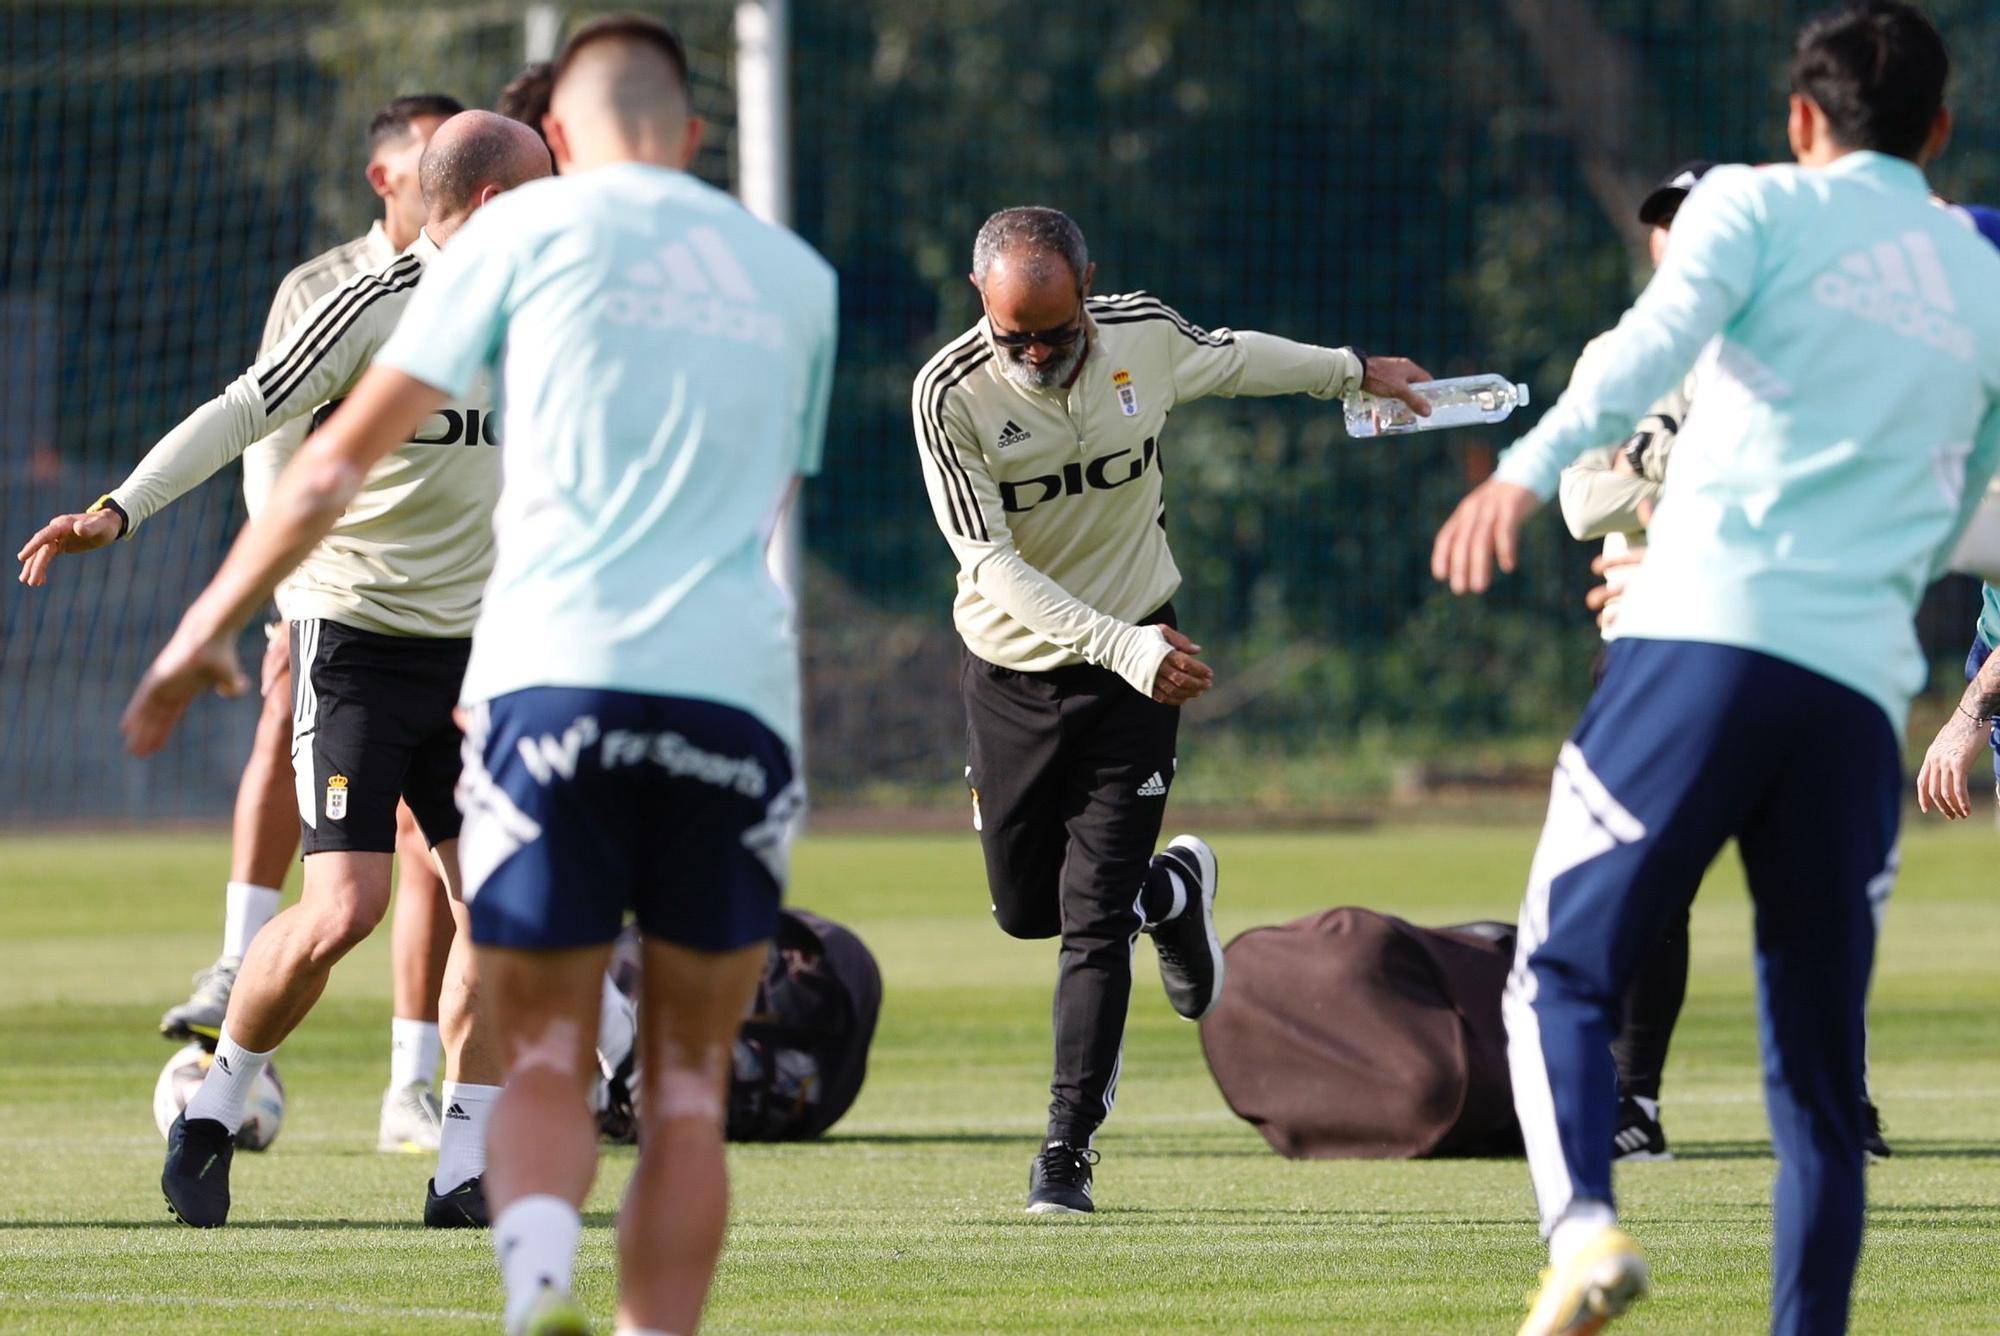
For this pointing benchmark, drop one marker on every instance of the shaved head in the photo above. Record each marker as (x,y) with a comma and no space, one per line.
(471,152)
(627,68)
(620,94)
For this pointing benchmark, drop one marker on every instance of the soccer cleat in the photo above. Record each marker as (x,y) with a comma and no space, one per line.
(1190,954)
(464,1207)
(1059,1180)
(196,1176)
(1873,1147)
(618,1115)
(552,1313)
(1600,1282)
(1640,1136)
(200,1017)
(410,1119)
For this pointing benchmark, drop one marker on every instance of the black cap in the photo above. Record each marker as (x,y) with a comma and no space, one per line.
(1667,196)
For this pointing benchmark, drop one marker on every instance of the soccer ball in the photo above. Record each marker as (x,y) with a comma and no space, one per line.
(262,1116)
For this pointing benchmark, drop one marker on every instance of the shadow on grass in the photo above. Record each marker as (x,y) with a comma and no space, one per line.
(236,1227)
(838,1139)
(1904,1149)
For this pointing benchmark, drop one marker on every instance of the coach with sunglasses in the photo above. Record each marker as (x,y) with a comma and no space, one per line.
(1039,434)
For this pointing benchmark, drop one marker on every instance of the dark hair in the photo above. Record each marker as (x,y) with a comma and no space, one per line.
(393,121)
(526,96)
(1877,69)
(628,28)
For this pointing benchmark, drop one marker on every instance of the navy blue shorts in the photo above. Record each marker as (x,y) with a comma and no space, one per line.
(582,804)
(1975,659)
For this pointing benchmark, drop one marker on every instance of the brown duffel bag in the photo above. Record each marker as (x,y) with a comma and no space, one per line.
(1355,1035)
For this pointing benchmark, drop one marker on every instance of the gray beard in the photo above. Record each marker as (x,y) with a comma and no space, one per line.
(1050,375)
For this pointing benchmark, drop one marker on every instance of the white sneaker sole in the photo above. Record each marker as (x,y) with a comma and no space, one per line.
(1056,1208)
(1211,873)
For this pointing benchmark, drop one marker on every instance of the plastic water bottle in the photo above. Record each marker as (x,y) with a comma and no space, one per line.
(1454,403)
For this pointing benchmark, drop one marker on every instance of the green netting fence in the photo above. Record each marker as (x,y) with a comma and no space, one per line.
(1450,179)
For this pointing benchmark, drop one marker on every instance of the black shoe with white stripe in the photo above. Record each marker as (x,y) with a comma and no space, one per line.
(1190,953)
(1059,1180)
(1639,1136)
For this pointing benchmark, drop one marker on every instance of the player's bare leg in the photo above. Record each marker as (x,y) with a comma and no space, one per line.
(286,968)
(420,936)
(542,1141)
(264,838)
(671,1229)
(284,973)
(473,1066)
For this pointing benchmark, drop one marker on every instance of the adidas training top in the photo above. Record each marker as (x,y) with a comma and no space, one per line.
(666,359)
(1052,500)
(413,550)
(266,459)
(1848,419)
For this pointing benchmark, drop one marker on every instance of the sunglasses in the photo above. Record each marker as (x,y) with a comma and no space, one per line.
(1062,336)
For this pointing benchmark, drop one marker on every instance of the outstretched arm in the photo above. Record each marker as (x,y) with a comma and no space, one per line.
(1228,362)
(1707,275)
(309,497)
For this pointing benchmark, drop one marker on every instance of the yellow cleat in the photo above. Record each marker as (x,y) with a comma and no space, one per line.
(1600,1282)
(553,1313)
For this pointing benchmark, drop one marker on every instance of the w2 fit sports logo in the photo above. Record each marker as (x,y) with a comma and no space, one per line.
(1900,284)
(695,284)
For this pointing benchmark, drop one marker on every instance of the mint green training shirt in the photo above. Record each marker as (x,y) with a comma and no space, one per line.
(663,366)
(1848,336)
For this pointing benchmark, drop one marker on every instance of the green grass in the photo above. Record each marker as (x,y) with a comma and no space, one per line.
(908,1219)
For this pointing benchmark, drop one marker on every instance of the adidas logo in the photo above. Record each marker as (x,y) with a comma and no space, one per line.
(223,1063)
(695,284)
(1154,787)
(1900,284)
(1012,434)
(456,1112)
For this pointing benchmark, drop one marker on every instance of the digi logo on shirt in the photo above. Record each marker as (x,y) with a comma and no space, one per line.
(447,426)
(1101,474)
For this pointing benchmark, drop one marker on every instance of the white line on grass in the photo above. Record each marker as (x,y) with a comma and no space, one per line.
(214,1301)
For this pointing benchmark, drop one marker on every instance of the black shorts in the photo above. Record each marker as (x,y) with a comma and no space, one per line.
(371,723)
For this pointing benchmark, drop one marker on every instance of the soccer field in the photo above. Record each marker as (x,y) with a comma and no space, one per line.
(908,1218)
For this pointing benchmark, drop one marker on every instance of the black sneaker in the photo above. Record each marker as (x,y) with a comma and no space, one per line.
(464,1207)
(1190,955)
(196,1177)
(1873,1147)
(618,1120)
(1639,1135)
(1059,1180)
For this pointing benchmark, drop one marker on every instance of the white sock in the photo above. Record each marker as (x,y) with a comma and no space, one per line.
(226,1088)
(535,1240)
(641,1331)
(247,908)
(462,1138)
(413,1052)
(1180,896)
(617,1027)
(1583,1221)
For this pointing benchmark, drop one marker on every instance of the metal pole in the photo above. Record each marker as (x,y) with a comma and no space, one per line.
(541,26)
(764,181)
